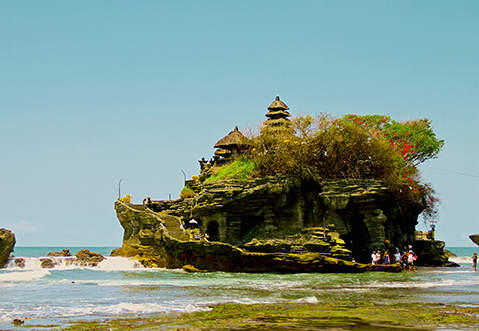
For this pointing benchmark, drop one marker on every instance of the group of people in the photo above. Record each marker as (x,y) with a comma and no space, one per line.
(406,260)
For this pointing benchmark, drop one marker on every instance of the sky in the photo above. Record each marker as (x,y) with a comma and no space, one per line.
(94,92)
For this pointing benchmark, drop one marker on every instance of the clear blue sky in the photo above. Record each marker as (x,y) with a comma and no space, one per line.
(97,91)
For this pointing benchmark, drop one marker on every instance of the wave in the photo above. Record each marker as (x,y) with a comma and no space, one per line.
(98,310)
(22,276)
(111,263)
(461,259)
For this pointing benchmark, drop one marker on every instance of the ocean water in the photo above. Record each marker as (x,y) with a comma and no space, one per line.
(119,286)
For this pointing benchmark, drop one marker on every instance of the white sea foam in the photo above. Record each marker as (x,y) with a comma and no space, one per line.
(119,263)
(98,310)
(312,299)
(22,276)
(111,263)
(461,259)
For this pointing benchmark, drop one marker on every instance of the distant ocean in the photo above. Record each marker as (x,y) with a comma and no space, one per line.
(119,286)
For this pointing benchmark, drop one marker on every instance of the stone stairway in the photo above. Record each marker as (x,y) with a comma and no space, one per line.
(172,224)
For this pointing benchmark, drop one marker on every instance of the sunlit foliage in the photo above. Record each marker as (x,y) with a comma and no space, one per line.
(362,147)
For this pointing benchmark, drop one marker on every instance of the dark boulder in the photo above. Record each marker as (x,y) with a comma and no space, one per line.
(431,253)
(7,244)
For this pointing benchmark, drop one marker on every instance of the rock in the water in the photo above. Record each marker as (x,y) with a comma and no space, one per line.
(64,252)
(47,263)
(279,223)
(7,244)
(431,253)
(190,268)
(20,263)
(87,258)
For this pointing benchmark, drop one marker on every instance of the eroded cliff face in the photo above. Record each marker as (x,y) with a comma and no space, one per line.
(7,243)
(363,213)
(157,241)
(247,222)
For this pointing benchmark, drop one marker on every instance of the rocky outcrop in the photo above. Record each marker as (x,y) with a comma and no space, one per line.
(7,244)
(364,213)
(278,223)
(162,244)
(431,253)
(475,238)
(85,257)
(64,252)
(310,240)
(47,263)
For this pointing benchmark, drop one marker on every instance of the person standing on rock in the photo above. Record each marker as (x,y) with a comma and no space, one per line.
(378,257)
(474,261)
(386,258)
(398,257)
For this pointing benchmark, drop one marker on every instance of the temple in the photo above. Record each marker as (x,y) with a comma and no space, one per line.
(233,225)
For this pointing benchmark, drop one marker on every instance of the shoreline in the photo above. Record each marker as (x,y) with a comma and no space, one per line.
(345,315)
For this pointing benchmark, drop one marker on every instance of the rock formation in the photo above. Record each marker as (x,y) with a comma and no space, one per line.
(7,244)
(157,241)
(85,257)
(280,223)
(475,238)
(306,221)
(432,253)
(64,252)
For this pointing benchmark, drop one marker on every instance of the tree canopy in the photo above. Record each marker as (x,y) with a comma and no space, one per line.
(352,146)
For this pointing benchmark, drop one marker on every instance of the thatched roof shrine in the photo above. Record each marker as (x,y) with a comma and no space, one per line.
(232,140)
(278,110)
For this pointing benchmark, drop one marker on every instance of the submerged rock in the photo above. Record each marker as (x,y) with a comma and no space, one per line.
(190,268)
(7,244)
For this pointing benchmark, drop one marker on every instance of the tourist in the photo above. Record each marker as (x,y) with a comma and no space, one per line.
(397,257)
(405,260)
(386,258)
(474,261)
(378,257)
(373,258)
(411,258)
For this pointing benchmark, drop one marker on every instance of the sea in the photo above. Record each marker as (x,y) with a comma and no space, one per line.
(121,286)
